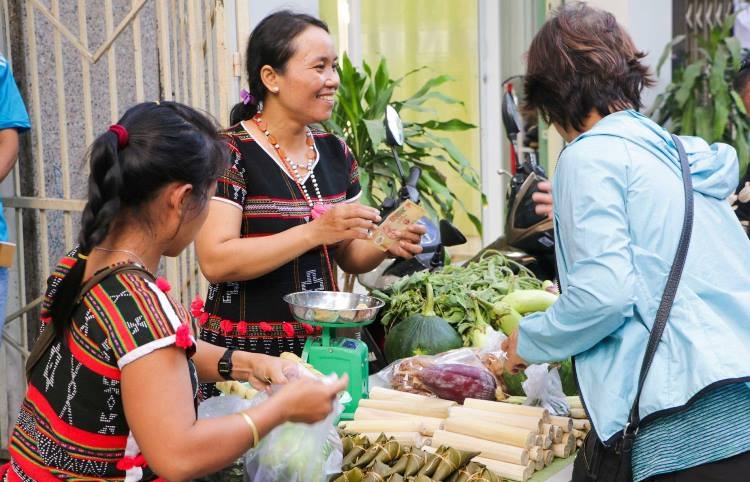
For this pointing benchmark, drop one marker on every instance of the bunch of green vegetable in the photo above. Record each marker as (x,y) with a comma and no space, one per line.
(493,291)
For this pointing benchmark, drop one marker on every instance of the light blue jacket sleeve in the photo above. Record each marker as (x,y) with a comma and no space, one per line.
(593,252)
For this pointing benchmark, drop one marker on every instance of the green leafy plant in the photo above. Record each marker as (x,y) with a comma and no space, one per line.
(358,118)
(700,100)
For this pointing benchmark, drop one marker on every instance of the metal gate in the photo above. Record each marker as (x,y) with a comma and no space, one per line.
(79,65)
(696,18)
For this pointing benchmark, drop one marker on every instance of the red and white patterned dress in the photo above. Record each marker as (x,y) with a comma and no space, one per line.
(71,424)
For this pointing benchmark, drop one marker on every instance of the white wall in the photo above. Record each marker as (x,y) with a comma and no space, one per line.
(261,8)
(649,22)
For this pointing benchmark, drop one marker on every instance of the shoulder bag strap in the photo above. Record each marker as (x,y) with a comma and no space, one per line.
(47,336)
(665,306)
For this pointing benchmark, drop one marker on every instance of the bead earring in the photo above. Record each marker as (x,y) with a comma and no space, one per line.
(275,90)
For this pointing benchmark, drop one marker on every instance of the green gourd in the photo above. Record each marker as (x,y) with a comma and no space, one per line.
(421,334)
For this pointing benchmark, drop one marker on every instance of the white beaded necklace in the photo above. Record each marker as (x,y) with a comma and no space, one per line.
(293,166)
(311,155)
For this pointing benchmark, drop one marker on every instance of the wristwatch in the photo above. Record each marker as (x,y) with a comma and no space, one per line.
(225,364)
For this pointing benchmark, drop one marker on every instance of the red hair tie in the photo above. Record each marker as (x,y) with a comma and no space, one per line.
(122,135)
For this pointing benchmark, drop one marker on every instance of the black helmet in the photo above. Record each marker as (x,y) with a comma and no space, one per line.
(524,229)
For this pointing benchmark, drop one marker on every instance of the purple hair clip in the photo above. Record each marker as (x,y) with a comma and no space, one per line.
(246,97)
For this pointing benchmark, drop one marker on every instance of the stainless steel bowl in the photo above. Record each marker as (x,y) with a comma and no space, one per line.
(332,307)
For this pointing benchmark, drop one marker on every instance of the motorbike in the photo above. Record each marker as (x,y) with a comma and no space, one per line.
(529,237)
(438,235)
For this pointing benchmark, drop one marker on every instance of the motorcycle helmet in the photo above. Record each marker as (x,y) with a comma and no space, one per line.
(524,229)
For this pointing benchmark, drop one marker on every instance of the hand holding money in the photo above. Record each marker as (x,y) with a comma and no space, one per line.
(343,221)
(399,233)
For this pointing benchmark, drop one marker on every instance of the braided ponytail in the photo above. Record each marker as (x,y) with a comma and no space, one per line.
(152,145)
(105,184)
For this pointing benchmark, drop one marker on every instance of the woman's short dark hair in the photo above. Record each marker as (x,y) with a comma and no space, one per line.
(271,43)
(167,142)
(582,59)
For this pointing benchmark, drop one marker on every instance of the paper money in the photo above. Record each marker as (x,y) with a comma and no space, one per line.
(384,234)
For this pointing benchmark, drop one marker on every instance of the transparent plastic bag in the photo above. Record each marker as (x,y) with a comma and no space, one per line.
(293,452)
(452,375)
(544,388)
(296,452)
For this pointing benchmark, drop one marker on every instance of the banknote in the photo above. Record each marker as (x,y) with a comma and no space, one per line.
(384,234)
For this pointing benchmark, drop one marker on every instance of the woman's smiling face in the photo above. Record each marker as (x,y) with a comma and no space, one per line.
(307,87)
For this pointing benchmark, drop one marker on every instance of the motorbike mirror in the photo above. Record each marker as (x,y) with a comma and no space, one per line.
(450,235)
(511,117)
(394,129)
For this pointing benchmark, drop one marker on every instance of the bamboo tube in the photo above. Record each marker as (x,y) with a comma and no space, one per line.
(488,449)
(423,425)
(502,407)
(521,473)
(429,424)
(364,413)
(412,438)
(577,413)
(578,433)
(557,434)
(566,423)
(561,450)
(542,441)
(579,443)
(548,457)
(383,425)
(536,453)
(566,447)
(382,393)
(516,436)
(421,408)
(574,401)
(581,424)
(568,440)
(523,421)
(554,432)
(546,430)
(538,464)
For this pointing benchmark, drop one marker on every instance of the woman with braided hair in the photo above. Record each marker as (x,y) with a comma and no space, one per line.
(112,395)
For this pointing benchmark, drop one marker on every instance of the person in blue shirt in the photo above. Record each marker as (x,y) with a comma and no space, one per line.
(618,209)
(13,120)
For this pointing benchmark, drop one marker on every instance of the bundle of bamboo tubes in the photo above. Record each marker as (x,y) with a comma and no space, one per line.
(513,440)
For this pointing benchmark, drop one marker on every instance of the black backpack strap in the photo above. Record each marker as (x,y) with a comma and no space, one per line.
(47,336)
(665,306)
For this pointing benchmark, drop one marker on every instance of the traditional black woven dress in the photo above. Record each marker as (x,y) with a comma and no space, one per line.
(250,315)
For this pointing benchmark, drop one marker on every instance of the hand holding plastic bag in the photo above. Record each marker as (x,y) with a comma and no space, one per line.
(293,451)
(296,452)
(544,388)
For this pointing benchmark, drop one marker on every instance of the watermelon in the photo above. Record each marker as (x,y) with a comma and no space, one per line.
(421,334)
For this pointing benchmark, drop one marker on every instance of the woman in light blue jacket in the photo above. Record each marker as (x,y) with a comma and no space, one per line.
(618,212)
